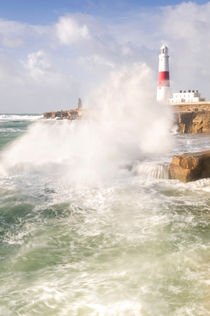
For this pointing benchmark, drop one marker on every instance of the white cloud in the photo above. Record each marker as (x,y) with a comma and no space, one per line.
(69,30)
(11,33)
(96,61)
(37,64)
(15,34)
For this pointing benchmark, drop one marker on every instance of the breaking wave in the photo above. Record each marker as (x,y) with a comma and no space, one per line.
(151,169)
(19,117)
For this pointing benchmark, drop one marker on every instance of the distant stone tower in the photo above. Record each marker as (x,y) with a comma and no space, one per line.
(163,87)
(79,103)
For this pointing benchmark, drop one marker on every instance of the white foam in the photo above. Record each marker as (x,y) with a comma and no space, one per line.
(152,169)
(10,130)
(19,117)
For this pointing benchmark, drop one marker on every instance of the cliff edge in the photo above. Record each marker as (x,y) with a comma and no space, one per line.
(193,122)
(193,117)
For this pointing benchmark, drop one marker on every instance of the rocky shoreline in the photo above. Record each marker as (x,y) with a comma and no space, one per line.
(193,118)
(189,118)
(193,122)
(190,166)
(74,114)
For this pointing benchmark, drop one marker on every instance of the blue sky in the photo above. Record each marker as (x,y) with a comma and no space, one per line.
(52,52)
(46,11)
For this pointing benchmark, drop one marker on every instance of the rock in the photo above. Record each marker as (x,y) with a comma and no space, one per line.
(61,115)
(193,122)
(190,166)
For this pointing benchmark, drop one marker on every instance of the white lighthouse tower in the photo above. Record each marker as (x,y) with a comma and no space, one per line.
(163,87)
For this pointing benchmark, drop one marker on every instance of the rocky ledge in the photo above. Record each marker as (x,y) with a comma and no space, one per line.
(190,166)
(194,122)
(61,115)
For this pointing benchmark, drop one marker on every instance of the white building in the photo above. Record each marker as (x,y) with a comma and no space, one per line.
(184,96)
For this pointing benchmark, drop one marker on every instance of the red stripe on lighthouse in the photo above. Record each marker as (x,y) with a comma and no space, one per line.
(163,79)
(163,75)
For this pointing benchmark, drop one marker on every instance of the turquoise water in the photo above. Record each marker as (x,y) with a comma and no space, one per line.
(74,243)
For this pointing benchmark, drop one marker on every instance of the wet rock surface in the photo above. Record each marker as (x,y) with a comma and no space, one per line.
(190,166)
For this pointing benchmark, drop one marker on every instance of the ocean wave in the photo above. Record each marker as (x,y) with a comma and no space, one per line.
(156,170)
(19,117)
(10,130)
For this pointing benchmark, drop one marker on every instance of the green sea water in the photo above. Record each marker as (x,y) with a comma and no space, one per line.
(75,244)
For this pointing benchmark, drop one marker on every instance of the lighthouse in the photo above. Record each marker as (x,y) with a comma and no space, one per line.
(163,87)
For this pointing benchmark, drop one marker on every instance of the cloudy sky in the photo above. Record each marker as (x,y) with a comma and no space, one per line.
(54,51)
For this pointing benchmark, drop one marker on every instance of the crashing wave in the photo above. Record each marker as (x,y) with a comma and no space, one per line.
(152,170)
(16,117)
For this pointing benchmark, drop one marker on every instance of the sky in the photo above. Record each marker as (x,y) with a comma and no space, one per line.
(45,11)
(54,51)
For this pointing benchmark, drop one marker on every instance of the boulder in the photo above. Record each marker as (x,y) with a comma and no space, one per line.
(190,166)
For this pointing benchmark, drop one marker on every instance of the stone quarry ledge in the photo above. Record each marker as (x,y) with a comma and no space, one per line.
(190,166)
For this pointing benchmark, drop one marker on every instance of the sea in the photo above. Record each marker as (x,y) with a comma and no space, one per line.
(85,230)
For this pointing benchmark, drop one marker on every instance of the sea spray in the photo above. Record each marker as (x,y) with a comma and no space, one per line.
(128,99)
(122,123)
